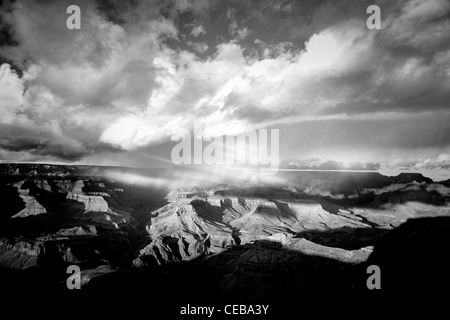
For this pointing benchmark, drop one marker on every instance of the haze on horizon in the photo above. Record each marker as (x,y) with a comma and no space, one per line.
(116,91)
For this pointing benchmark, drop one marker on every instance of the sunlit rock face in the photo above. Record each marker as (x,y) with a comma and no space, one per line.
(91,203)
(184,230)
(193,225)
(32,207)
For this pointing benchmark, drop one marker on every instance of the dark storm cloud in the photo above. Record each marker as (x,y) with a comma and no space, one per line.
(277,21)
(39,142)
(43,142)
(6,35)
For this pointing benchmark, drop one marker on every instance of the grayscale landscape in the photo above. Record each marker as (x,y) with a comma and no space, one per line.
(189,159)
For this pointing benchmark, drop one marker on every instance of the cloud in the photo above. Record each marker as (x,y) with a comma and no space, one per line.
(198,31)
(338,72)
(103,64)
(436,167)
(283,6)
(139,72)
(75,80)
(237,32)
(33,118)
(421,24)
(199,47)
(320,164)
(11,92)
(442,161)
(39,142)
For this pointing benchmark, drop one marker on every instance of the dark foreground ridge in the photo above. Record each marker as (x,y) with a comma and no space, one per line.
(413,259)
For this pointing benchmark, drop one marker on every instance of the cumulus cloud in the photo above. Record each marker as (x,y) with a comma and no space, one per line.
(74,81)
(31,119)
(103,64)
(442,161)
(11,92)
(219,89)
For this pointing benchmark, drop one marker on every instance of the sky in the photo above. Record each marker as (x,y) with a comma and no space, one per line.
(139,72)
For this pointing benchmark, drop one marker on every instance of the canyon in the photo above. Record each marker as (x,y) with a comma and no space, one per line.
(301,235)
